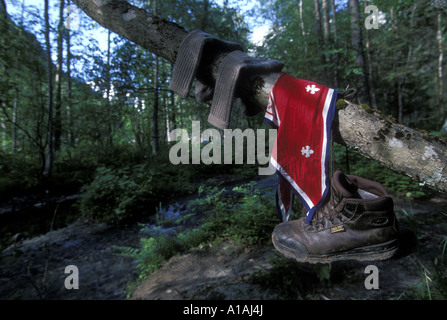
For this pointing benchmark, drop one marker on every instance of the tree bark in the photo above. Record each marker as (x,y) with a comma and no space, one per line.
(49,150)
(326,32)
(70,137)
(303,32)
(326,42)
(372,92)
(3,134)
(155,135)
(334,41)
(159,36)
(320,38)
(357,45)
(58,98)
(108,91)
(439,73)
(14,120)
(3,11)
(420,156)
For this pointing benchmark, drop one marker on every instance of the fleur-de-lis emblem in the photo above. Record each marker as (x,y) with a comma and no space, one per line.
(312,89)
(306,151)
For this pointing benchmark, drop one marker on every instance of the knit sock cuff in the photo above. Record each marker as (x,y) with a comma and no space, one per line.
(187,61)
(195,44)
(236,67)
(226,82)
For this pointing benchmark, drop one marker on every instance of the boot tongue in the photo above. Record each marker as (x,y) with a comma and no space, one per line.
(344,185)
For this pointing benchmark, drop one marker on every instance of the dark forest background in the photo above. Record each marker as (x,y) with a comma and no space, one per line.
(79,116)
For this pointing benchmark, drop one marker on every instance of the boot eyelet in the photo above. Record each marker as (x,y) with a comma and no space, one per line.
(380,221)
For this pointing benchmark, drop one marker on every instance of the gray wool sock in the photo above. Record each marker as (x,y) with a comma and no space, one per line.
(236,68)
(193,47)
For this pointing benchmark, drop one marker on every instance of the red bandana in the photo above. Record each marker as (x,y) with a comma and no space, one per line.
(303,112)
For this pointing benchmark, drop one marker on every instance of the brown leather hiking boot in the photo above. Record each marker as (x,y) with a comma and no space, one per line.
(357,222)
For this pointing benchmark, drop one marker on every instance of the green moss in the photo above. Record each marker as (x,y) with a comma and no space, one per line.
(367,108)
(391,119)
(431,136)
(341,104)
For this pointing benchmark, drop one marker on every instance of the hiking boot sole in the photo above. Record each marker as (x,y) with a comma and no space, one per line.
(376,252)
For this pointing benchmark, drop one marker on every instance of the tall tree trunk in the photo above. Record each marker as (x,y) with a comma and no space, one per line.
(335,44)
(3,133)
(135,121)
(168,104)
(167,119)
(439,73)
(4,28)
(49,150)
(173,106)
(418,155)
(303,31)
(399,66)
(205,18)
(3,11)
(372,92)
(58,98)
(70,136)
(326,40)
(108,89)
(320,39)
(400,103)
(326,29)
(155,135)
(15,108)
(357,45)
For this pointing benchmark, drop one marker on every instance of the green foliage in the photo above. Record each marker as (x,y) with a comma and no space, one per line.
(402,62)
(109,196)
(153,251)
(73,173)
(117,132)
(118,194)
(223,21)
(433,283)
(18,175)
(440,266)
(128,183)
(242,215)
(397,184)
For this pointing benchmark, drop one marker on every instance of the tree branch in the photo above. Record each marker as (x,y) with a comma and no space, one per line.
(14,123)
(418,155)
(137,25)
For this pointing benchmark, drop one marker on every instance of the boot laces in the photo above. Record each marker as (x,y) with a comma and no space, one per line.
(327,212)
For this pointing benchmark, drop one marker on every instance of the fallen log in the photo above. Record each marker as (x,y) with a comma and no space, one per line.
(419,155)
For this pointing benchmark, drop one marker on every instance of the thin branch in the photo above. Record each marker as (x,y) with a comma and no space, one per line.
(5,112)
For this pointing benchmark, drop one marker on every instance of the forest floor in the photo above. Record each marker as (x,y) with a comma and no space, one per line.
(229,271)
(34,267)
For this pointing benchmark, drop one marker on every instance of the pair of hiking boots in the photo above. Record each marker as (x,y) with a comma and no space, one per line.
(357,222)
